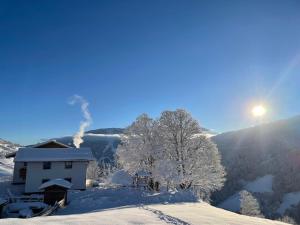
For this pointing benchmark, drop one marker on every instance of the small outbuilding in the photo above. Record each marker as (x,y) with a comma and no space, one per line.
(55,190)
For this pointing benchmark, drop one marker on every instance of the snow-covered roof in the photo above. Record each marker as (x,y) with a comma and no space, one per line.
(57,182)
(59,144)
(53,154)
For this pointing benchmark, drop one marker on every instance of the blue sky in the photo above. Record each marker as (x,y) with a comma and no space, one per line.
(213,58)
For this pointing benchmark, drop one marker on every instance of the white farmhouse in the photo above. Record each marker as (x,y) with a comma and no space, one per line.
(51,160)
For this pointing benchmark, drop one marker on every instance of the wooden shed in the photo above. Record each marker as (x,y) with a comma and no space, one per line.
(55,190)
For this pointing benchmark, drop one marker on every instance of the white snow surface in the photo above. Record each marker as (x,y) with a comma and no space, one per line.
(121,177)
(114,206)
(180,214)
(25,205)
(289,199)
(7,147)
(261,184)
(6,167)
(59,182)
(103,198)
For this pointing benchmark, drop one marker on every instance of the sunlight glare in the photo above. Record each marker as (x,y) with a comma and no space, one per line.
(258,111)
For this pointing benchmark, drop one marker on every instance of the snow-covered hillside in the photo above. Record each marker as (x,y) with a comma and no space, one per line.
(266,158)
(6,165)
(130,206)
(259,185)
(160,214)
(7,147)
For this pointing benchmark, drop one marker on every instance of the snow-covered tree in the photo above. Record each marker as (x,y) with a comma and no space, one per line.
(138,148)
(165,172)
(93,171)
(173,150)
(249,205)
(287,219)
(196,157)
(107,169)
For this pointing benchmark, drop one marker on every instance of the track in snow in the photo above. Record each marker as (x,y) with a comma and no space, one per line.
(166,218)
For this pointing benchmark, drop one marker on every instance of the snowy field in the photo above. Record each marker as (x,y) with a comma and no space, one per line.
(180,214)
(130,206)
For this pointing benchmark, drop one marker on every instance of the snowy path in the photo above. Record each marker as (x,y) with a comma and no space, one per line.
(205,214)
(166,218)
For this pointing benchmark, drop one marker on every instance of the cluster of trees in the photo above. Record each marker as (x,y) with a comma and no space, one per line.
(249,205)
(172,150)
(293,214)
(287,177)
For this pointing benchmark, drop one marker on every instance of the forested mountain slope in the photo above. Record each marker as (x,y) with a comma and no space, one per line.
(271,149)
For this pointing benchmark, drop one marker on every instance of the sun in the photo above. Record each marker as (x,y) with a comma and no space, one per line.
(258,111)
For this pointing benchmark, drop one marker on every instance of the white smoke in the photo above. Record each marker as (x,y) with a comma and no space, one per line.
(77,138)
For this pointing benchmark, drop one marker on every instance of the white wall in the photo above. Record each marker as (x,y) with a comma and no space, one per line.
(36,173)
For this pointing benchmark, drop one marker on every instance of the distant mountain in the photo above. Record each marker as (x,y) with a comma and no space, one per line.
(6,165)
(271,149)
(7,147)
(107,131)
(279,135)
(103,146)
(264,145)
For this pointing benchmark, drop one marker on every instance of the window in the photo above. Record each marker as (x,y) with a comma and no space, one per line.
(69,179)
(22,173)
(68,165)
(25,164)
(45,180)
(46,165)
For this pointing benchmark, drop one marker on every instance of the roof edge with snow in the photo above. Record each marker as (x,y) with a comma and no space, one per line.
(56,182)
(53,154)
